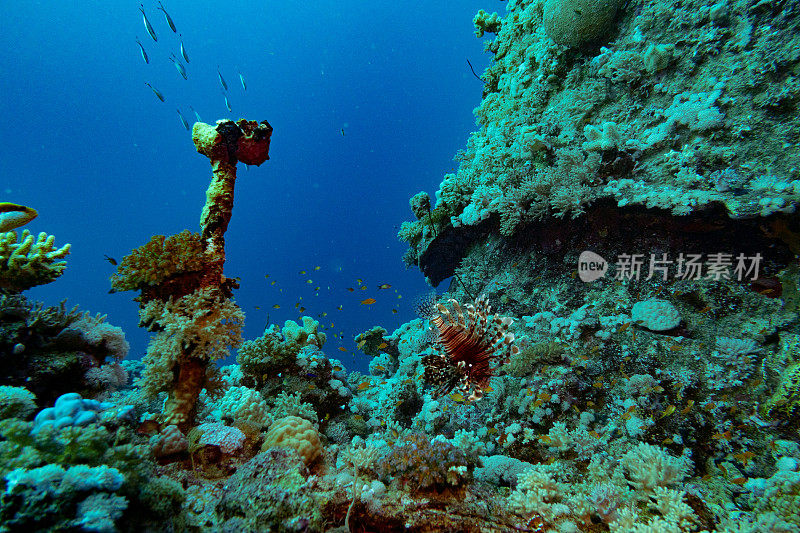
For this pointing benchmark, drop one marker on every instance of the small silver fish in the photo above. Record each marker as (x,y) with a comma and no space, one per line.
(155,91)
(222,80)
(241,79)
(141,49)
(183,51)
(166,16)
(183,120)
(227,104)
(180,68)
(147,24)
(196,114)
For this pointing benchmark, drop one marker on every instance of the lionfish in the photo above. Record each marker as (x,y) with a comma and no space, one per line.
(464,346)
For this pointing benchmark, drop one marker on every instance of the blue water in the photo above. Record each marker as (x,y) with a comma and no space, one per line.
(107,165)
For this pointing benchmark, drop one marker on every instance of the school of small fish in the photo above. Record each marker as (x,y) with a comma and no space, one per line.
(301,307)
(180,59)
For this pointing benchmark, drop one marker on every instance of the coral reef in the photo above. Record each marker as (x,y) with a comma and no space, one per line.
(92,477)
(636,235)
(161,260)
(55,350)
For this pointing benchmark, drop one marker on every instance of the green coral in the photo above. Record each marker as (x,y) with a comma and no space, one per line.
(291,405)
(418,463)
(529,360)
(420,204)
(158,260)
(26,262)
(410,232)
(785,401)
(271,492)
(486,23)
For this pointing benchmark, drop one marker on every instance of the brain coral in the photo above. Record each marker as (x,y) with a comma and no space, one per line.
(295,433)
(578,22)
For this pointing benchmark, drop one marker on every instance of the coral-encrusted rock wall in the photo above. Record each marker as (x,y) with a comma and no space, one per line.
(671,105)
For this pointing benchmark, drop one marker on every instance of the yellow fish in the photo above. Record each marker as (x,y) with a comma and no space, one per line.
(668,411)
(368,301)
(13,216)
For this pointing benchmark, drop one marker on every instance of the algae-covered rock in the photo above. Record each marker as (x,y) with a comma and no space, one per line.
(270,493)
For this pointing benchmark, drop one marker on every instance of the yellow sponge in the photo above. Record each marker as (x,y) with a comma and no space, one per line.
(296,433)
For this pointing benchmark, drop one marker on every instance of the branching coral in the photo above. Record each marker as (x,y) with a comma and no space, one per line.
(26,262)
(649,467)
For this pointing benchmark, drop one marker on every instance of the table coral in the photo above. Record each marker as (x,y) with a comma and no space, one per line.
(26,261)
